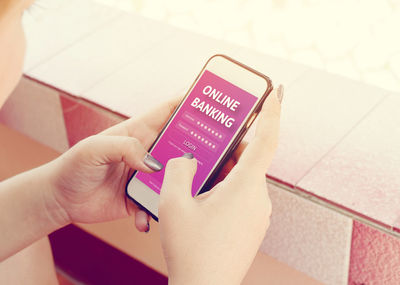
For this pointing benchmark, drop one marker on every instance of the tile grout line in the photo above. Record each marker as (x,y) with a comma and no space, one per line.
(318,201)
(73,43)
(125,64)
(378,103)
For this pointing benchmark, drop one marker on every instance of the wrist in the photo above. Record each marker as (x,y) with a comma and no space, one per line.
(28,210)
(56,213)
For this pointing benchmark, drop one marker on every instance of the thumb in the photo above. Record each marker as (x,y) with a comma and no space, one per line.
(100,150)
(178,178)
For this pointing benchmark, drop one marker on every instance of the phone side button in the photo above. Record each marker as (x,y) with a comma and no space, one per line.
(251,120)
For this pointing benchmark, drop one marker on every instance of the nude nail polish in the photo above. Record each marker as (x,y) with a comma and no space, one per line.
(152,163)
(279,93)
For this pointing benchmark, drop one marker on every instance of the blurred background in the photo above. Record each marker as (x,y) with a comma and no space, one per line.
(354,38)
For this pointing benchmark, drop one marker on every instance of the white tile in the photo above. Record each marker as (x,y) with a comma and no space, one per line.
(35,110)
(163,72)
(56,27)
(280,71)
(308,237)
(362,172)
(318,110)
(102,53)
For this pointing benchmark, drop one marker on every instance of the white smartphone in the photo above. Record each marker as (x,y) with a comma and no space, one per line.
(209,123)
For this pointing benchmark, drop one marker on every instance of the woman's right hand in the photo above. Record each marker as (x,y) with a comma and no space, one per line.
(213,238)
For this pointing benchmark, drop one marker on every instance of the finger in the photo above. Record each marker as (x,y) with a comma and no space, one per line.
(102,150)
(258,155)
(141,217)
(177,183)
(142,221)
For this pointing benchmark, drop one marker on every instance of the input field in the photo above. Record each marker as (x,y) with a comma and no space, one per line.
(203,126)
(201,139)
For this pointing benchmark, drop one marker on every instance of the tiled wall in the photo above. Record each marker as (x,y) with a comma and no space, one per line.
(342,37)
(375,257)
(364,164)
(308,237)
(318,241)
(36,111)
(338,137)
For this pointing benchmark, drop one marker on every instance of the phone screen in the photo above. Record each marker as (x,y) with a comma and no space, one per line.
(204,125)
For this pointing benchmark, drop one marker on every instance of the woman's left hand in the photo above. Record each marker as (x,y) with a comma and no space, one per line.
(89,180)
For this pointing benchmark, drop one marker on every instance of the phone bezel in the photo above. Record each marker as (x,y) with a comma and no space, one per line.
(236,73)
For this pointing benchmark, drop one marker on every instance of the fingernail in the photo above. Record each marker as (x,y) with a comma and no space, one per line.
(279,93)
(152,163)
(148,228)
(188,155)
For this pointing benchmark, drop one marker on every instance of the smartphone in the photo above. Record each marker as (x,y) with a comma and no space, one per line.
(210,122)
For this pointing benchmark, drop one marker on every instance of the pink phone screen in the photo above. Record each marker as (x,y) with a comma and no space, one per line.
(203,126)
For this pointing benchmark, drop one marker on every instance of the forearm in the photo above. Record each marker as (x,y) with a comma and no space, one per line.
(28,211)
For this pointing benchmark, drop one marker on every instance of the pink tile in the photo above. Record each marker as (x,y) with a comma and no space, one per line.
(56,27)
(83,120)
(165,71)
(375,257)
(308,237)
(362,172)
(35,110)
(92,59)
(318,110)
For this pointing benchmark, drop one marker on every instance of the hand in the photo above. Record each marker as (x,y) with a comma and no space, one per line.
(89,179)
(213,238)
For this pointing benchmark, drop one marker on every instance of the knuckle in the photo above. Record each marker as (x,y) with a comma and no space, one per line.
(134,141)
(132,145)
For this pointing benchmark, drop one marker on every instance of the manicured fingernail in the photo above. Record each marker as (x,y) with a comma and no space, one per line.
(148,228)
(279,93)
(188,155)
(152,163)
